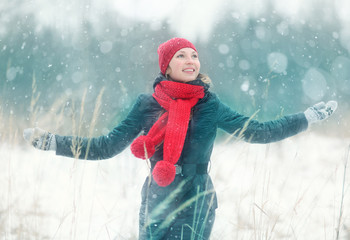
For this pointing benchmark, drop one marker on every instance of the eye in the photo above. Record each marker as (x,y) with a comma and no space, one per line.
(180,56)
(194,56)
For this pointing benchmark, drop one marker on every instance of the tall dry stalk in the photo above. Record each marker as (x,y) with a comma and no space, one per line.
(2,123)
(239,133)
(95,115)
(94,119)
(169,219)
(341,210)
(268,80)
(33,101)
(76,150)
(77,142)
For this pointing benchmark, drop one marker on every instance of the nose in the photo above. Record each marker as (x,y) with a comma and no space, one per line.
(189,60)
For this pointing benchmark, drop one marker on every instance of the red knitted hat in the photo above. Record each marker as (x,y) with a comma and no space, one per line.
(167,50)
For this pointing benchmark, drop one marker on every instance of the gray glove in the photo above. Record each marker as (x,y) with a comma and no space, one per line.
(40,139)
(320,111)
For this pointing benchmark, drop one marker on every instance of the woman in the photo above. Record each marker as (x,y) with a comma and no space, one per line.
(180,121)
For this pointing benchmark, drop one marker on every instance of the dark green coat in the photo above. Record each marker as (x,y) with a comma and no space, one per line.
(208,115)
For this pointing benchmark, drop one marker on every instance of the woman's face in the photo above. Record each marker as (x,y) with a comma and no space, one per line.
(184,66)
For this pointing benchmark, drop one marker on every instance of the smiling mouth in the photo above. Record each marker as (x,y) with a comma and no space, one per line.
(188,70)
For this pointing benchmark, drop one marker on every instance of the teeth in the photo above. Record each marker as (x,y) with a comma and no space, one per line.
(188,70)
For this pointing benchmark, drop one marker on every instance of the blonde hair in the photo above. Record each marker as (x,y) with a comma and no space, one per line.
(205,78)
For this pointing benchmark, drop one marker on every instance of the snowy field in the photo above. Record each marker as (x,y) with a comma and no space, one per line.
(286,190)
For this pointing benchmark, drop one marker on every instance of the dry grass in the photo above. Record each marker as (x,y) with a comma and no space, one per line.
(294,189)
(287,190)
(341,210)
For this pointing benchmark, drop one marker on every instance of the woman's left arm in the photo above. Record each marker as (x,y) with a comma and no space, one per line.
(260,132)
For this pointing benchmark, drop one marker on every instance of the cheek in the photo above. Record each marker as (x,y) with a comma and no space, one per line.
(198,65)
(174,64)
(177,65)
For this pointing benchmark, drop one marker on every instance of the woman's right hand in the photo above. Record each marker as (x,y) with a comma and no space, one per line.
(40,138)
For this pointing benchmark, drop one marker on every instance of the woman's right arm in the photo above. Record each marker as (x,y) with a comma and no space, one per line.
(97,148)
(107,146)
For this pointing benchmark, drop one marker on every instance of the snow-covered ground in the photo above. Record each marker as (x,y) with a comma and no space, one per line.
(286,190)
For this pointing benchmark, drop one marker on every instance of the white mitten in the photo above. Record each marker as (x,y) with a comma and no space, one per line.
(40,138)
(320,111)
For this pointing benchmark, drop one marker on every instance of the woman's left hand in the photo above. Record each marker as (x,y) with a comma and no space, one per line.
(320,111)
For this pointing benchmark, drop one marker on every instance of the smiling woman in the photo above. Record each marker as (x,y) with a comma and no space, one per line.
(184,66)
(178,125)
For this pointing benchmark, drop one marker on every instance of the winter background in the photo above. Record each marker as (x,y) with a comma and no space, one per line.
(76,67)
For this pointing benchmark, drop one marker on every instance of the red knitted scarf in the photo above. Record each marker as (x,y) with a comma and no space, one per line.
(177,99)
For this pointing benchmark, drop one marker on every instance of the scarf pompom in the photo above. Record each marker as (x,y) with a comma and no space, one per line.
(141,144)
(164,173)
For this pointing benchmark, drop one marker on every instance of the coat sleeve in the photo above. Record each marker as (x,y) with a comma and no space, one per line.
(107,146)
(260,132)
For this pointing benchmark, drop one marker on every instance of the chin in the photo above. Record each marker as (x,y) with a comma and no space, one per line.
(184,78)
(187,80)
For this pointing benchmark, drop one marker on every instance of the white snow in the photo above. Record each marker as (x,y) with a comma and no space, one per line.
(106,46)
(12,72)
(245,86)
(314,84)
(244,65)
(224,49)
(286,190)
(278,62)
(77,77)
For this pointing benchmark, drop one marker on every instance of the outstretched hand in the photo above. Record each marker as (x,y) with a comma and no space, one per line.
(40,138)
(320,111)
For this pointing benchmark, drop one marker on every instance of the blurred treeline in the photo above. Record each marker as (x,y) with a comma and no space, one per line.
(47,75)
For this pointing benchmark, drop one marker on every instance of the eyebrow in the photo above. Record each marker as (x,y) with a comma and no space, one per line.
(182,51)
